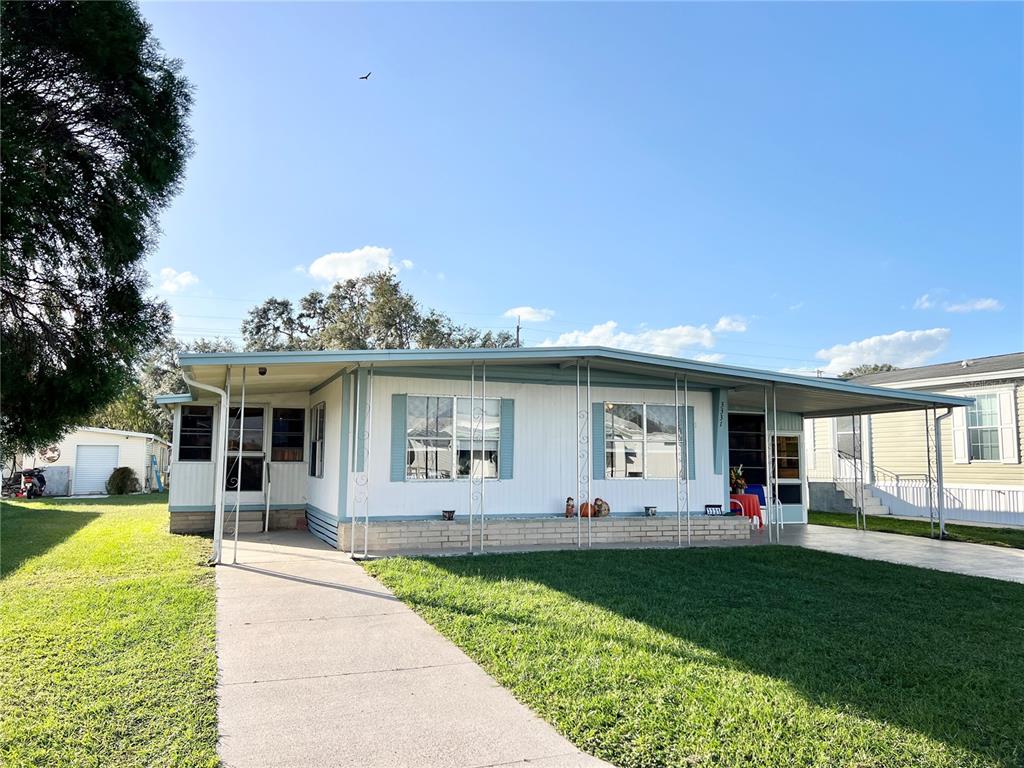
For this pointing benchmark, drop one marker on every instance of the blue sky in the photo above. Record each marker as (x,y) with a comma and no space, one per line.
(791,186)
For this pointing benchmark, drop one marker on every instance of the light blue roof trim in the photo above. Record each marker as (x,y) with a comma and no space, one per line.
(173,399)
(537,354)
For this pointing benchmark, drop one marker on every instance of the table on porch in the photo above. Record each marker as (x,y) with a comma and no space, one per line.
(751,505)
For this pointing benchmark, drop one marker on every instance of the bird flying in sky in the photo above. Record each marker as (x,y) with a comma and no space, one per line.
(366,76)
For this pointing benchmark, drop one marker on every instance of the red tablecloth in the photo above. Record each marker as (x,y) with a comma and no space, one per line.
(751,505)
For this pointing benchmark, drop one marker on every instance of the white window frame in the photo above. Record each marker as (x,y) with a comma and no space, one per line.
(317,428)
(681,437)
(456,477)
(994,428)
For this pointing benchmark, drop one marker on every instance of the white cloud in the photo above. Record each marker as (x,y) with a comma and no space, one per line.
(731,324)
(903,349)
(172,281)
(924,301)
(529,314)
(347,265)
(976,305)
(795,307)
(661,341)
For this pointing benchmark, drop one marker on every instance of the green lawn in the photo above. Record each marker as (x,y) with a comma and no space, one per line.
(107,637)
(758,656)
(976,534)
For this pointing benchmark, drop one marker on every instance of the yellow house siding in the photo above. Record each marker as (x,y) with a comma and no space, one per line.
(898,445)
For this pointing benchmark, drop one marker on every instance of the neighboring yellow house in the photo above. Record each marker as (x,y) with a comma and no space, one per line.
(981,446)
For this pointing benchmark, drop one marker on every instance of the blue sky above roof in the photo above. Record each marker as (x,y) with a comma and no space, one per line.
(787,186)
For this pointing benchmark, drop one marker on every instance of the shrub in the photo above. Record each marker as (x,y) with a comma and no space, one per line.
(123,480)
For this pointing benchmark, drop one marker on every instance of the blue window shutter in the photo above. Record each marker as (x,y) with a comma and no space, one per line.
(597,440)
(690,444)
(507,431)
(398,433)
(360,422)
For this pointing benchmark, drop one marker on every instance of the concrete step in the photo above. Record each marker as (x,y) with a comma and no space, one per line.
(244,526)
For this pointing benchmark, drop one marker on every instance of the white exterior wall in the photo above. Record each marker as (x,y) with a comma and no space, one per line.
(192,482)
(322,492)
(132,452)
(544,471)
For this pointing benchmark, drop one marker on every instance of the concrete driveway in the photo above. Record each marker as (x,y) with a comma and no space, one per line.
(954,556)
(321,666)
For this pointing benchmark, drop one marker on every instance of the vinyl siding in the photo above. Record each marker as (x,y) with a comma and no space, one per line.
(898,444)
(545,455)
(192,482)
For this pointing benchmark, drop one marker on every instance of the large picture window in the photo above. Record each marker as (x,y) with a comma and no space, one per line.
(288,434)
(317,424)
(195,435)
(439,431)
(640,440)
(983,428)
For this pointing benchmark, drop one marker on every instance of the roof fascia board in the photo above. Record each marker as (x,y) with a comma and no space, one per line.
(531,354)
(942,381)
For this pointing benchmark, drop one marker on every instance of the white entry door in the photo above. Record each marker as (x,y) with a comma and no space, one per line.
(93,465)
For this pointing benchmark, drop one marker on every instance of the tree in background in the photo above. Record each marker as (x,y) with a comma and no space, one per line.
(94,140)
(371,312)
(866,368)
(159,373)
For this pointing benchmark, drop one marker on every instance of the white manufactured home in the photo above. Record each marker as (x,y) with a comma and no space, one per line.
(374,449)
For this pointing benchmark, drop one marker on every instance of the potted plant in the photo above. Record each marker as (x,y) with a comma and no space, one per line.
(736,482)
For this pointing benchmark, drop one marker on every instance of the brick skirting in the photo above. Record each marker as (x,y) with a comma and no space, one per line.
(442,536)
(249,521)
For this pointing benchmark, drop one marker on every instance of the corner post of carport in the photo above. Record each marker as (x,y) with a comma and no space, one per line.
(940,489)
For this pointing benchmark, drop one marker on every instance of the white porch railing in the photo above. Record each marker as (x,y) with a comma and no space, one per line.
(908,494)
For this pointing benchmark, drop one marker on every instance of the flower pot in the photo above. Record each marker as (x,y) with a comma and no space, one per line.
(447,514)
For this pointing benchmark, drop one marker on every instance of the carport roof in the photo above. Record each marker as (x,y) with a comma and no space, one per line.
(309,370)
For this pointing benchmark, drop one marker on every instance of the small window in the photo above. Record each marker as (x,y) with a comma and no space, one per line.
(788,455)
(195,435)
(983,428)
(316,440)
(252,473)
(289,432)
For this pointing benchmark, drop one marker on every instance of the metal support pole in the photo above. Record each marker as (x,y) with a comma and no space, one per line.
(579,449)
(590,462)
(354,463)
(767,469)
(928,484)
(679,505)
(472,423)
(940,486)
(220,463)
(238,482)
(483,452)
(686,459)
(775,467)
(368,423)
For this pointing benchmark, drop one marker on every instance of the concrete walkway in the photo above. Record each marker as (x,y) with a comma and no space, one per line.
(320,665)
(954,556)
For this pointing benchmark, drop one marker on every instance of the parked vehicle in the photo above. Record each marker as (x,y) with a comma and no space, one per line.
(33,482)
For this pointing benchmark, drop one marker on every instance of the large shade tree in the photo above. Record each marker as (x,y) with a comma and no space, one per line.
(371,312)
(94,143)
